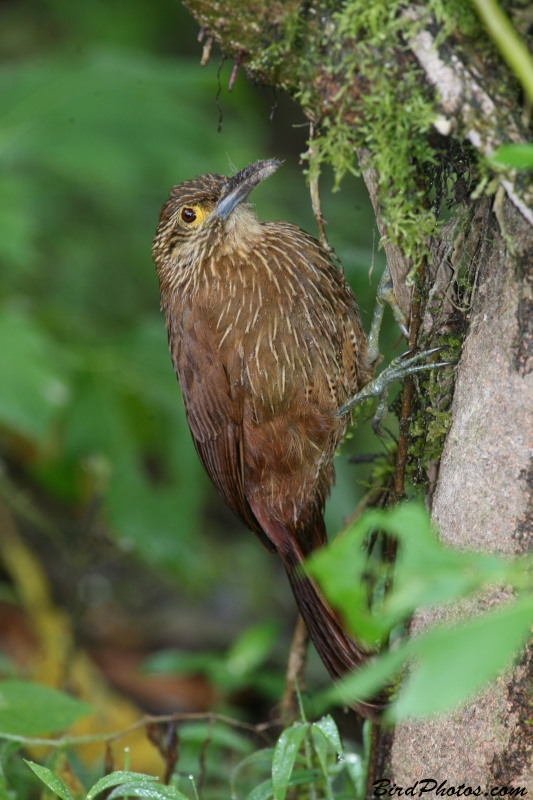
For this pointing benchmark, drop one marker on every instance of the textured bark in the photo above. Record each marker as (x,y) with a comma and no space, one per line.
(399,264)
(483,502)
(482,491)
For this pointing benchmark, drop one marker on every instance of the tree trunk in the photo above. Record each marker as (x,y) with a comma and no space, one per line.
(346,68)
(483,501)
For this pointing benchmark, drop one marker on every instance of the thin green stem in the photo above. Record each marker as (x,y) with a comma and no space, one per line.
(191,778)
(508,42)
(300,699)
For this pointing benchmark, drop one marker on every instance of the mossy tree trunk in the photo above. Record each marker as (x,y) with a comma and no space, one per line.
(421,97)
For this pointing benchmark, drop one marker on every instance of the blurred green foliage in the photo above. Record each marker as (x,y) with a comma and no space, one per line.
(241,667)
(90,149)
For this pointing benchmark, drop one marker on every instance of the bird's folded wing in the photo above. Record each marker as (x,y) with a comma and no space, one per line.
(214,407)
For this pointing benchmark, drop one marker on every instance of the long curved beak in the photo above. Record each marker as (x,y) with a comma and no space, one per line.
(240,185)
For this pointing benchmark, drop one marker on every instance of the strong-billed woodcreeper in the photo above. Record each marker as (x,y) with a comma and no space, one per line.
(268,346)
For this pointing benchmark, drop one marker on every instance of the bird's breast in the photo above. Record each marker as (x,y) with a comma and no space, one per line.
(279,317)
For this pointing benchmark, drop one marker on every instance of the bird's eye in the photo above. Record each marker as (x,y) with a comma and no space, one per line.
(188,214)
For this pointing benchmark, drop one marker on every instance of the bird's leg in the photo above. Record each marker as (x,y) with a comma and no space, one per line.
(385,296)
(399,368)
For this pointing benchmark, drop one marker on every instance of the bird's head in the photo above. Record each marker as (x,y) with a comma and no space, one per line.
(206,212)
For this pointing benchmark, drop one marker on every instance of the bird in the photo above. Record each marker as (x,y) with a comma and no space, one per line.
(267,343)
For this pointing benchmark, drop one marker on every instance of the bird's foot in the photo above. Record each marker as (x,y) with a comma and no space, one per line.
(406,364)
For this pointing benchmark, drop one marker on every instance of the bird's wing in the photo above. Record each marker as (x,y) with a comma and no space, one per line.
(213,398)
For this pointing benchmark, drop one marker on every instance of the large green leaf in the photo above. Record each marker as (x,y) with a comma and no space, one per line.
(451,664)
(251,648)
(29,709)
(262,758)
(426,572)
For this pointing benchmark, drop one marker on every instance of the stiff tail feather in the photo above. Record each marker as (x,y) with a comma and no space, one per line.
(335,646)
(339,652)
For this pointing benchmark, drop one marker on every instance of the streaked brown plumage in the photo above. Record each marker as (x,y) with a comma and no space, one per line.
(267,344)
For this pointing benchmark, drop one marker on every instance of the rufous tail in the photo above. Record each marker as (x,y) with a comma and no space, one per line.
(336,647)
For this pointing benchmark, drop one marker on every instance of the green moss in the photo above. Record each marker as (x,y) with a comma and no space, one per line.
(432,416)
(383,105)
(363,88)
(350,67)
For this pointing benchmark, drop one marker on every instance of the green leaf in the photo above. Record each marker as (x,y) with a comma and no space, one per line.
(30,709)
(365,682)
(148,791)
(325,735)
(341,568)
(328,728)
(357,772)
(221,736)
(263,756)
(453,663)
(265,790)
(322,751)
(448,666)
(115,778)
(516,156)
(427,573)
(3,787)
(251,648)
(48,777)
(285,754)
(179,662)
(228,672)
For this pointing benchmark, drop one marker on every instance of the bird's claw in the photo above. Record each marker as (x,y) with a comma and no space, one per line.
(402,366)
(376,427)
(404,329)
